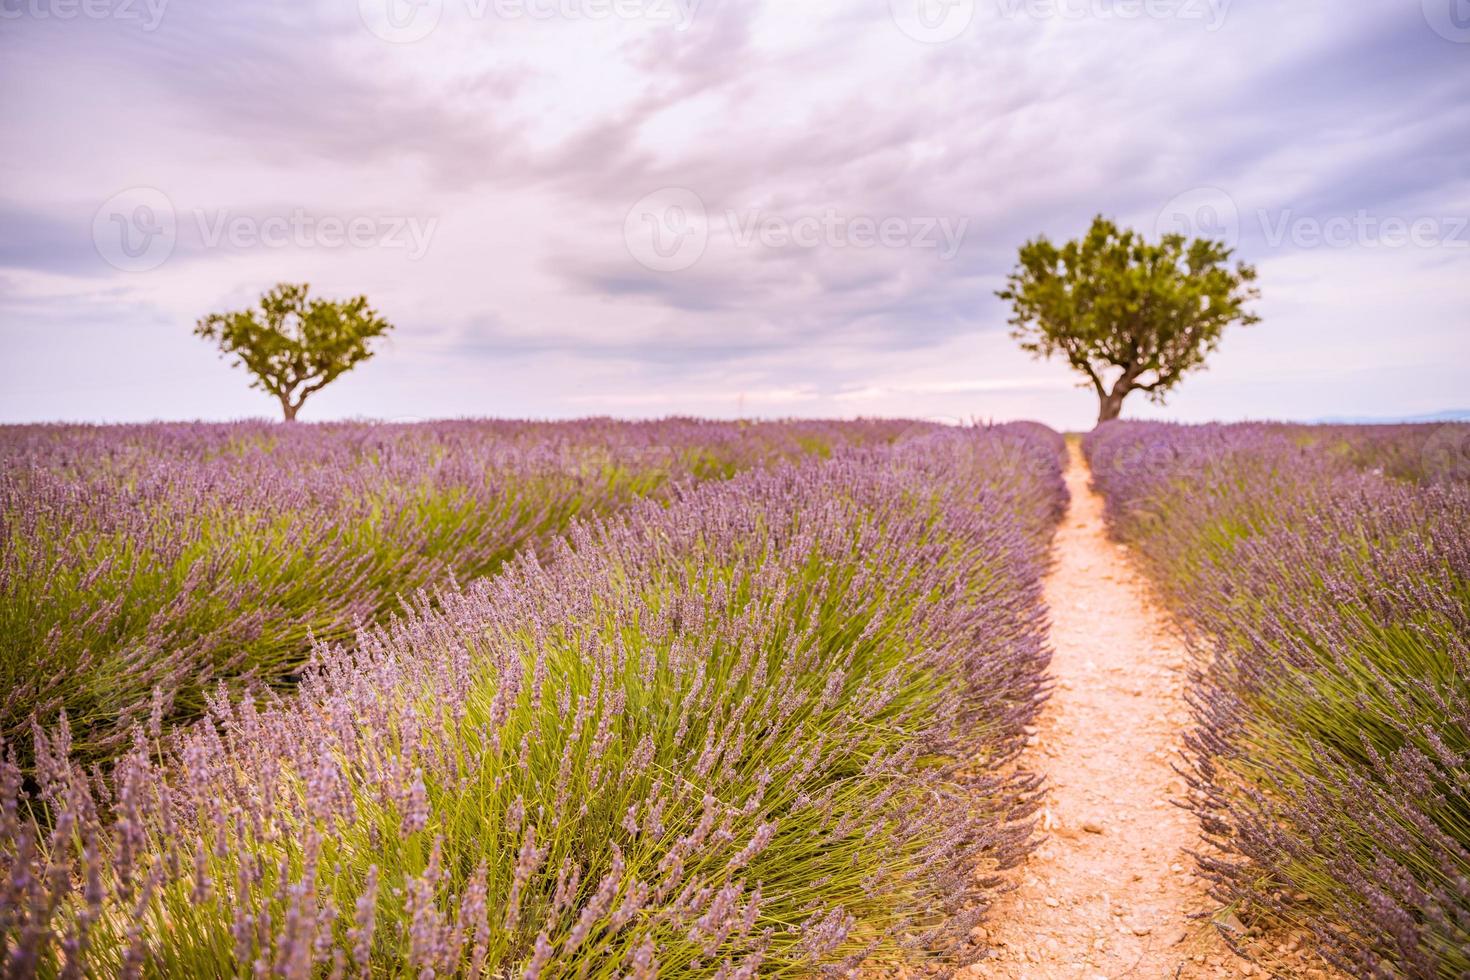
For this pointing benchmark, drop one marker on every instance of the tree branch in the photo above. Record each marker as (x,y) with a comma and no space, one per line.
(1163,381)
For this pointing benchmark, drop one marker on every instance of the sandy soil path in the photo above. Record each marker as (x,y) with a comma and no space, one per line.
(1110,891)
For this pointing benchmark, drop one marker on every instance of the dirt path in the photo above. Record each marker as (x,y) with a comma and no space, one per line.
(1109,893)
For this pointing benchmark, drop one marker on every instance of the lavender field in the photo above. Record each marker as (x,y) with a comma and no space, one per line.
(701,608)
(685,698)
(145,565)
(343,699)
(1325,573)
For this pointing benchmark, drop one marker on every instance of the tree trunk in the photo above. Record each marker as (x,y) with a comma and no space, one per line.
(1110,406)
(289,410)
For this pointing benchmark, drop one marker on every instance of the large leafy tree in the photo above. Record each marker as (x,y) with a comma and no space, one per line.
(295,345)
(1129,314)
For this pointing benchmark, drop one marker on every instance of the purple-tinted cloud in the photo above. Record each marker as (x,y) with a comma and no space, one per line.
(522,147)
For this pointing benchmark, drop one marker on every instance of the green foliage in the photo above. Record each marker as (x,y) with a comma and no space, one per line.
(1116,305)
(295,345)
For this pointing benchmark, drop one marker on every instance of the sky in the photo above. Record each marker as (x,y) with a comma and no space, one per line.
(721,207)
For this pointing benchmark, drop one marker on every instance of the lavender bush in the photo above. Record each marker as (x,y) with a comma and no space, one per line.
(139,565)
(767,725)
(1331,757)
(1424,453)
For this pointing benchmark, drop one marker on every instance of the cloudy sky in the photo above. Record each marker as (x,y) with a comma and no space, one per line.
(725,207)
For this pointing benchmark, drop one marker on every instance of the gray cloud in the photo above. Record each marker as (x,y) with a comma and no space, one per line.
(47,241)
(530,142)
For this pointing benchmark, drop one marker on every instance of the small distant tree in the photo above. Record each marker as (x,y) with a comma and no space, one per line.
(294,345)
(1128,314)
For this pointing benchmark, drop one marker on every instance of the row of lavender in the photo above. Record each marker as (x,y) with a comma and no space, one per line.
(766,725)
(140,565)
(1422,453)
(1331,592)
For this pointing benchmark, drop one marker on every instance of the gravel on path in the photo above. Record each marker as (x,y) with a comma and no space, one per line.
(1111,892)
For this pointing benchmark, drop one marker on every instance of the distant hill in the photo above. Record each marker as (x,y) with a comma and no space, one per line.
(1449,415)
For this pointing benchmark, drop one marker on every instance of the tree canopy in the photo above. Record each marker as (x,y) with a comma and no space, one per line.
(295,345)
(1130,315)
